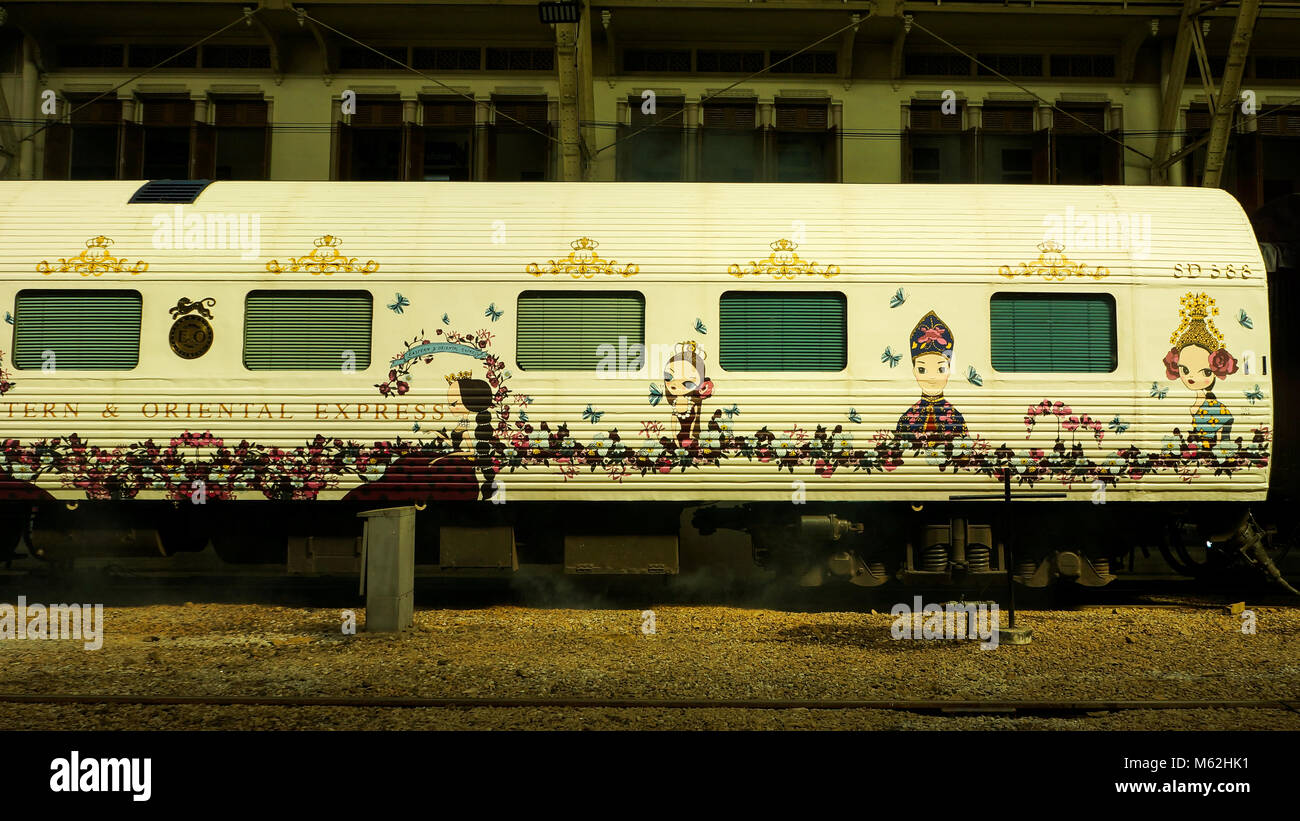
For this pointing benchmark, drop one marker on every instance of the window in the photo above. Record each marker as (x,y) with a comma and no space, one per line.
(370,148)
(306,330)
(1082,155)
(359,58)
(447,150)
(77,330)
(166,134)
(779,331)
(148,56)
(236,143)
(657,153)
(728,62)
(564,330)
(94,139)
(1082,65)
(517,152)
(446,59)
(521,59)
(803,143)
(1011,65)
(1010,150)
(809,62)
(935,148)
(729,143)
(91,55)
(1053,333)
(236,57)
(655,60)
(936,65)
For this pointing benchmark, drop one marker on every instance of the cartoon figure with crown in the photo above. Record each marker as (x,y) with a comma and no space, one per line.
(686,387)
(1199,359)
(933,418)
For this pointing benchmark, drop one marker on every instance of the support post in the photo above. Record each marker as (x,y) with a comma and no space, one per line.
(1225,105)
(389,555)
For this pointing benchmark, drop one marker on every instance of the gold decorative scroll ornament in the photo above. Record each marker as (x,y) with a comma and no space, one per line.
(784,263)
(323,259)
(583,263)
(1052,265)
(95,260)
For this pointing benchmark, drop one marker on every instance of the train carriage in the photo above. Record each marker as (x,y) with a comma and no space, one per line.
(554,372)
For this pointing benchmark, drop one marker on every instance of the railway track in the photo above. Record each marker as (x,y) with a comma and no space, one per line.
(930,706)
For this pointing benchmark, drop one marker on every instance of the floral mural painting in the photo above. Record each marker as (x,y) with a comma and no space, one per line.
(492,435)
(6,381)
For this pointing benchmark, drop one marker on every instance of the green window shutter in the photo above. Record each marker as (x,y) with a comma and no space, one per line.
(306,330)
(564,330)
(1053,333)
(777,331)
(85,330)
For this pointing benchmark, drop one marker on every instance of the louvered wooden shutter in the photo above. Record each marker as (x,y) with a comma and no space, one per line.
(1053,333)
(1284,123)
(771,331)
(168,112)
(929,117)
(1019,118)
(528,112)
(306,330)
(378,112)
(564,330)
(1091,116)
(240,113)
(85,330)
(802,116)
(449,113)
(729,115)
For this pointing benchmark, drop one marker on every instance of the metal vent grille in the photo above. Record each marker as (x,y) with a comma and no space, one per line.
(169,191)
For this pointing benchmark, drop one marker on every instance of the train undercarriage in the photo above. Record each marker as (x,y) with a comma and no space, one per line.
(951,545)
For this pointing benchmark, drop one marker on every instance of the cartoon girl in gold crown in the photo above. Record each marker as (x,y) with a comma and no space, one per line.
(686,387)
(1199,359)
(451,477)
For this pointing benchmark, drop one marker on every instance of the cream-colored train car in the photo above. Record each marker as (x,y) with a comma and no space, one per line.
(684,343)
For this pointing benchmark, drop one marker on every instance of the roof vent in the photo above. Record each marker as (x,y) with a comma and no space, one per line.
(169,191)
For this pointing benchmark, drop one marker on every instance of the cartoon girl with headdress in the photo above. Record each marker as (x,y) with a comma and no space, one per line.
(686,387)
(1199,359)
(933,417)
(451,477)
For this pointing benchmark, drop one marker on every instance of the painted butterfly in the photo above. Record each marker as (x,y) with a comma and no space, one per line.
(446,320)
(973,377)
(1244,319)
(593,415)
(854,416)
(415,428)
(1118,426)
(1255,394)
(897,299)
(699,326)
(1157,391)
(493,312)
(732,411)
(523,417)
(399,303)
(655,394)
(890,357)
(9,318)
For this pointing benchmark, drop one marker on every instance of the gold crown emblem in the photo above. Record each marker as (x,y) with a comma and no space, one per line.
(1196,326)
(329,240)
(453,378)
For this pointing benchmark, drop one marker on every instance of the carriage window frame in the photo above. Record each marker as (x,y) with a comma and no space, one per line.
(1108,300)
(723,330)
(91,338)
(521,315)
(361,364)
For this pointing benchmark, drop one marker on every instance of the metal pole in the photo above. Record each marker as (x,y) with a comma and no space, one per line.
(1011,550)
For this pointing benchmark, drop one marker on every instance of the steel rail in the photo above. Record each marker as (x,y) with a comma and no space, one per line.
(920,706)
